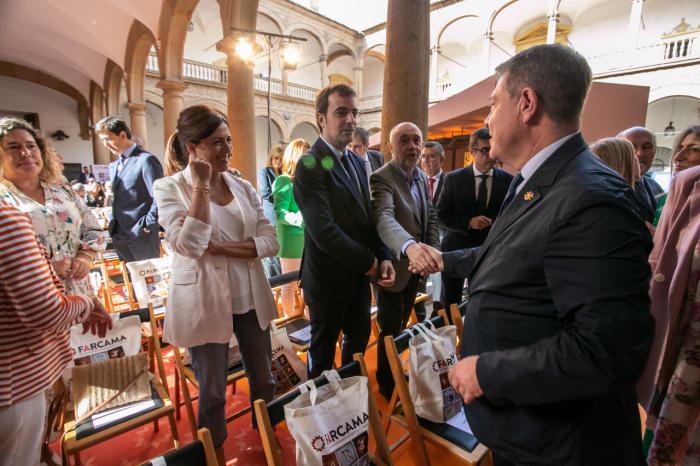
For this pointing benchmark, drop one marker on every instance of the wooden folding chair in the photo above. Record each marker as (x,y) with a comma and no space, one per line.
(458,322)
(97,428)
(272,414)
(446,437)
(198,453)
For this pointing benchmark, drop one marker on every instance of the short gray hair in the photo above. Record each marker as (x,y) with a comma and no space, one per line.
(560,76)
(363,134)
(637,129)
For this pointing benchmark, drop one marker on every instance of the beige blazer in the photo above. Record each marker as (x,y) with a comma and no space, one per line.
(199,302)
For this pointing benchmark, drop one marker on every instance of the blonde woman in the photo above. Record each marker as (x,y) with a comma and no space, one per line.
(290,224)
(618,154)
(31,180)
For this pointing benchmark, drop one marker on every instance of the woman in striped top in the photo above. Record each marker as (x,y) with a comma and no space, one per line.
(35,317)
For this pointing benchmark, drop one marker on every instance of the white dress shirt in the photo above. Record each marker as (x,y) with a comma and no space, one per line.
(436,182)
(478,181)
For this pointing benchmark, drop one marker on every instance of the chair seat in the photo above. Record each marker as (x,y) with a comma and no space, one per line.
(462,439)
(296,325)
(97,423)
(188,455)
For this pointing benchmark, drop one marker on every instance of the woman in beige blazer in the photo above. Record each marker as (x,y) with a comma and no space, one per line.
(219,233)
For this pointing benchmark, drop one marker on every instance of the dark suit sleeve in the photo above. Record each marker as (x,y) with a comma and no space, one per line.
(151,171)
(596,270)
(433,236)
(460,263)
(447,210)
(312,197)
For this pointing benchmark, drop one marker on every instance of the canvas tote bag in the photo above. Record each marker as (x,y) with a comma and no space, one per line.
(431,354)
(288,369)
(330,423)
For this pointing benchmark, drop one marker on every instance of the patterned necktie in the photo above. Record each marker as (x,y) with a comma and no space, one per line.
(511,190)
(345,160)
(482,196)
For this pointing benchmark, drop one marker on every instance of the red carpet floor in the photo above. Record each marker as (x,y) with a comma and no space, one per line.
(242,446)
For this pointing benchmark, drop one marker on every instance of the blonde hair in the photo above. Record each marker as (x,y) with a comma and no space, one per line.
(276,151)
(51,170)
(292,154)
(618,154)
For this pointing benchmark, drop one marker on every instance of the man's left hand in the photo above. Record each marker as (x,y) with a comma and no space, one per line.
(387,274)
(463,378)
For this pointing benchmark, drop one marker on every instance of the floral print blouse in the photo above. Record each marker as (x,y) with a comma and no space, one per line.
(64,225)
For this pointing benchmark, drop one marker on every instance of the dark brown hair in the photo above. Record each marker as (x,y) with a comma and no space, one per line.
(194,124)
(342,90)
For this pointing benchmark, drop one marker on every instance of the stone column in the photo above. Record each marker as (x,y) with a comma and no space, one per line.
(173,104)
(285,81)
(358,81)
(486,52)
(137,113)
(323,59)
(552,22)
(434,54)
(407,67)
(634,22)
(241,110)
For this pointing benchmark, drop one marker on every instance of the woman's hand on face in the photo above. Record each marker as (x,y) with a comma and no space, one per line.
(201,171)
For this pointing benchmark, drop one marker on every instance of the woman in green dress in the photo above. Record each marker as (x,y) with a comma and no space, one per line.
(290,224)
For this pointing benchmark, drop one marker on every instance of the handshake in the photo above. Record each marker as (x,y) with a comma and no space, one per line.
(424,259)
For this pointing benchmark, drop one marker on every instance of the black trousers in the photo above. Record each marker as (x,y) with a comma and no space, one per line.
(330,313)
(453,287)
(393,311)
(420,307)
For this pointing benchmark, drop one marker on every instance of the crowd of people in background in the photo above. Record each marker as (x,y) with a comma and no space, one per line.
(550,262)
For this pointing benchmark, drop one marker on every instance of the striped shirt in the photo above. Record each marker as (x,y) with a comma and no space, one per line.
(35,315)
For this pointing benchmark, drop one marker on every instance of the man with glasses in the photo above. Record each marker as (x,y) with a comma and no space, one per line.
(469,203)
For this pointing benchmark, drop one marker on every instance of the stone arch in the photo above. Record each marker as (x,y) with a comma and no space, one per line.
(299,119)
(341,51)
(97,112)
(304,129)
(138,47)
(289,30)
(153,97)
(272,16)
(175,17)
(112,86)
(374,53)
(496,12)
(13,70)
(450,23)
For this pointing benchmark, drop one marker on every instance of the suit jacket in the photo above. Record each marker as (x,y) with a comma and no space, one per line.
(376,159)
(199,298)
(398,219)
(646,198)
(457,206)
(559,316)
(340,239)
(133,208)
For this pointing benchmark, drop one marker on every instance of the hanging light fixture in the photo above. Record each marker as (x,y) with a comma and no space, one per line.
(670,130)
(289,52)
(244,49)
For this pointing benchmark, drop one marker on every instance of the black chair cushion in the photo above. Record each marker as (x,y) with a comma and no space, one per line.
(87,427)
(189,455)
(462,439)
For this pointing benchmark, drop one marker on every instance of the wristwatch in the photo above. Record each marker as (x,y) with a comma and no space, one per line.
(146,230)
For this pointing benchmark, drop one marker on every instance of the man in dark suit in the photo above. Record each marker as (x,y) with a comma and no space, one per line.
(342,251)
(405,217)
(646,189)
(557,328)
(468,205)
(371,159)
(134,224)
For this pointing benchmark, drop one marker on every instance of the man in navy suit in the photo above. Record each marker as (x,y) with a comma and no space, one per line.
(134,224)
(371,159)
(557,328)
(342,250)
(469,203)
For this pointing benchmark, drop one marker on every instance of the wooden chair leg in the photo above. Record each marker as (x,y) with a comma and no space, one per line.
(178,414)
(155,425)
(233,387)
(76,458)
(188,405)
(173,430)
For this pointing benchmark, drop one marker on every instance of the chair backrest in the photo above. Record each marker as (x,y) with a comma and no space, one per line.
(198,453)
(456,318)
(283,279)
(402,339)
(272,414)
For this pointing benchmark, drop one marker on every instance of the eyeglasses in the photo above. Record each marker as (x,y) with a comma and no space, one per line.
(483,150)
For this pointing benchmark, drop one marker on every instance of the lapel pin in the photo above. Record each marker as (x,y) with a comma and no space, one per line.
(528,196)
